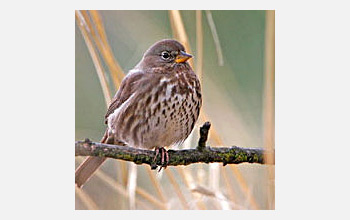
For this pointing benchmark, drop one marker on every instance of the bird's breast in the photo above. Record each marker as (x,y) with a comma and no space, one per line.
(163,115)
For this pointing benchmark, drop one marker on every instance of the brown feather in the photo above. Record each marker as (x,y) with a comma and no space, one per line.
(127,88)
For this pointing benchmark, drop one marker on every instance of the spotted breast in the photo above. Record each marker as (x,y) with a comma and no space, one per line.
(161,109)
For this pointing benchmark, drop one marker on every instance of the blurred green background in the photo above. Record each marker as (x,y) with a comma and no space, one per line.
(232,99)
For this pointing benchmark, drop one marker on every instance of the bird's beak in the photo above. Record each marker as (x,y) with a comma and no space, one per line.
(182,57)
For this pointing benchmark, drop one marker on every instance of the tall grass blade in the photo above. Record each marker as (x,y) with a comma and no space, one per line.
(190,184)
(94,56)
(115,70)
(85,199)
(199,42)
(132,180)
(228,186)
(215,37)
(156,185)
(242,183)
(118,188)
(97,42)
(269,104)
(177,189)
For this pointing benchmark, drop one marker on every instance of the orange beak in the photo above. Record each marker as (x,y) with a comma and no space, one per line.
(182,57)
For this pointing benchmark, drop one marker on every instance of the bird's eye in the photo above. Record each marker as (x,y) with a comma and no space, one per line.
(165,55)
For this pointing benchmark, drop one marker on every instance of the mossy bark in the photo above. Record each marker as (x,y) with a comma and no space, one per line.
(201,154)
(225,155)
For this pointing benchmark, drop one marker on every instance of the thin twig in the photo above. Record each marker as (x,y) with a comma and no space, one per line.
(203,131)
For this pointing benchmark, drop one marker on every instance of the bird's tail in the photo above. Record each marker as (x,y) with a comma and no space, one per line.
(89,166)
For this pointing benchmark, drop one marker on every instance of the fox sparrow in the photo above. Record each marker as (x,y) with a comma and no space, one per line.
(156,105)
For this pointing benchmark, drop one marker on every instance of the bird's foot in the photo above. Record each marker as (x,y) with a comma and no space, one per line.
(164,157)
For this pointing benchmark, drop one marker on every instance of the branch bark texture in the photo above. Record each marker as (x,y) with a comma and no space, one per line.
(201,154)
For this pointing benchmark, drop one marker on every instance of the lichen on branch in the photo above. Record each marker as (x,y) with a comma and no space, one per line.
(200,154)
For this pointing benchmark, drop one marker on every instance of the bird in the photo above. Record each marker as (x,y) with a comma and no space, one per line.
(156,106)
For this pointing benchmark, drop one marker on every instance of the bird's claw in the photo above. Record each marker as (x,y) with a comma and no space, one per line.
(164,157)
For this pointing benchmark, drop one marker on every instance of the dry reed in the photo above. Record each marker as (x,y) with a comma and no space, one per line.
(85,199)
(215,37)
(85,29)
(269,105)
(177,189)
(119,189)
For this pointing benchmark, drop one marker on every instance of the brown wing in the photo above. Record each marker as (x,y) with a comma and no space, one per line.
(127,88)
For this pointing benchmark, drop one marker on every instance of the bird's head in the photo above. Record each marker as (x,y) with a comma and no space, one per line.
(165,54)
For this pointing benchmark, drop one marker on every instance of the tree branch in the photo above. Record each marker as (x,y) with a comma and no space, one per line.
(201,154)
